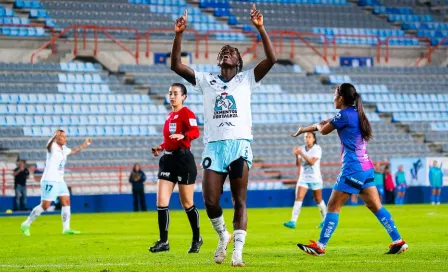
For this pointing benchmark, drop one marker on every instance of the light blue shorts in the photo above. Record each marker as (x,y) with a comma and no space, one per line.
(354,183)
(311,185)
(218,156)
(50,191)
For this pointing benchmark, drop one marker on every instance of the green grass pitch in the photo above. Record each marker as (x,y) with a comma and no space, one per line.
(120,241)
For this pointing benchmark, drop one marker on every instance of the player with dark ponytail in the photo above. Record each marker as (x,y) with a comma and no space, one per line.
(357,174)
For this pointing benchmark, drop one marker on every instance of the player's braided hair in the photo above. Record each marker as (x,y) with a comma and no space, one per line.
(240,60)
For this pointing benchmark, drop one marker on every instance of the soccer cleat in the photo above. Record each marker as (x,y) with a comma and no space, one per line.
(159,246)
(221,250)
(321,225)
(290,224)
(25,230)
(237,259)
(312,249)
(70,232)
(398,248)
(196,246)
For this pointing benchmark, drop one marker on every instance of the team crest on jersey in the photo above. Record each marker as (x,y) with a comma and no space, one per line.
(225,106)
(172,128)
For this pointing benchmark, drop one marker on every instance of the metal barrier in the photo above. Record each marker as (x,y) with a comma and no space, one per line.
(431,50)
(96,29)
(155,30)
(387,41)
(280,34)
(378,46)
(252,48)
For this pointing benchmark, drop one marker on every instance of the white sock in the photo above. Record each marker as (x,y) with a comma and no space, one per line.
(33,215)
(219,226)
(65,214)
(322,209)
(239,238)
(296,210)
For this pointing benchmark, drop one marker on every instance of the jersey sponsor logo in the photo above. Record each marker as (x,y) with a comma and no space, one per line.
(226,124)
(337,116)
(175,116)
(193,122)
(225,107)
(165,174)
(172,128)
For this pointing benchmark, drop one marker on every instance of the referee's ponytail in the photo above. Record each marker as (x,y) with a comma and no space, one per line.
(353,98)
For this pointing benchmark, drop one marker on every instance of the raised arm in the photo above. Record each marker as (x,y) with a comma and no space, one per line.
(324,127)
(265,65)
(176,64)
(80,147)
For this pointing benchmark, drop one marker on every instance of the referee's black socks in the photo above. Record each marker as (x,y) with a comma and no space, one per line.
(193,217)
(164,222)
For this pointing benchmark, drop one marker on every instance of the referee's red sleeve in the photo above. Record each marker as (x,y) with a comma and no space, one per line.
(192,125)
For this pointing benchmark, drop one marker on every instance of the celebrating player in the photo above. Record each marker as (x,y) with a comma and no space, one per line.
(308,159)
(357,175)
(177,165)
(227,130)
(52,183)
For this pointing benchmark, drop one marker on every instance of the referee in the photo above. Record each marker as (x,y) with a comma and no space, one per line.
(177,165)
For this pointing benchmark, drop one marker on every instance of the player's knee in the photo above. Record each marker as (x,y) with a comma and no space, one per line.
(187,203)
(45,205)
(318,199)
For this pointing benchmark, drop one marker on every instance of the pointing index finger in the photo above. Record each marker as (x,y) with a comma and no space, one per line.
(185,14)
(254,7)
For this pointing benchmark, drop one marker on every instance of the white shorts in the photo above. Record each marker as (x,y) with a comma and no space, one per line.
(50,191)
(310,185)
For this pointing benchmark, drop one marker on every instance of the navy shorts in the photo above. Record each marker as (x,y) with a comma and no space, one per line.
(355,182)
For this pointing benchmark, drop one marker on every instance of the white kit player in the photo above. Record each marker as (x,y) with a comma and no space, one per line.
(227,130)
(308,159)
(52,183)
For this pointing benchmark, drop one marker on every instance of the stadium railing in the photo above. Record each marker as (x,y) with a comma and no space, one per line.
(148,33)
(388,39)
(278,36)
(95,28)
(432,49)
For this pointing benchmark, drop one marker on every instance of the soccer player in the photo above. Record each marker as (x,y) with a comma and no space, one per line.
(177,165)
(52,183)
(308,159)
(379,180)
(436,182)
(357,174)
(227,130)
(400,180)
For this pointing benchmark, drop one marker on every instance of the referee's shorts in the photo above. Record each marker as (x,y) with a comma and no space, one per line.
(178,166)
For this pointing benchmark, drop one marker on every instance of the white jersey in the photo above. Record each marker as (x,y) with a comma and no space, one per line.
(311,173)
(54,167)
(227,107)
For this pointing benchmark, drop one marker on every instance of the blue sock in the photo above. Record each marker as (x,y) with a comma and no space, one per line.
(385,219)
(433,198)
(437,198)
(330,224)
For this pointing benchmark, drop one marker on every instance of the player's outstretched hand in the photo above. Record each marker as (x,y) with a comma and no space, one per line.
(298,132)
(177,136)
(156,151)
(181,23)
(256,17)
(88,141)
